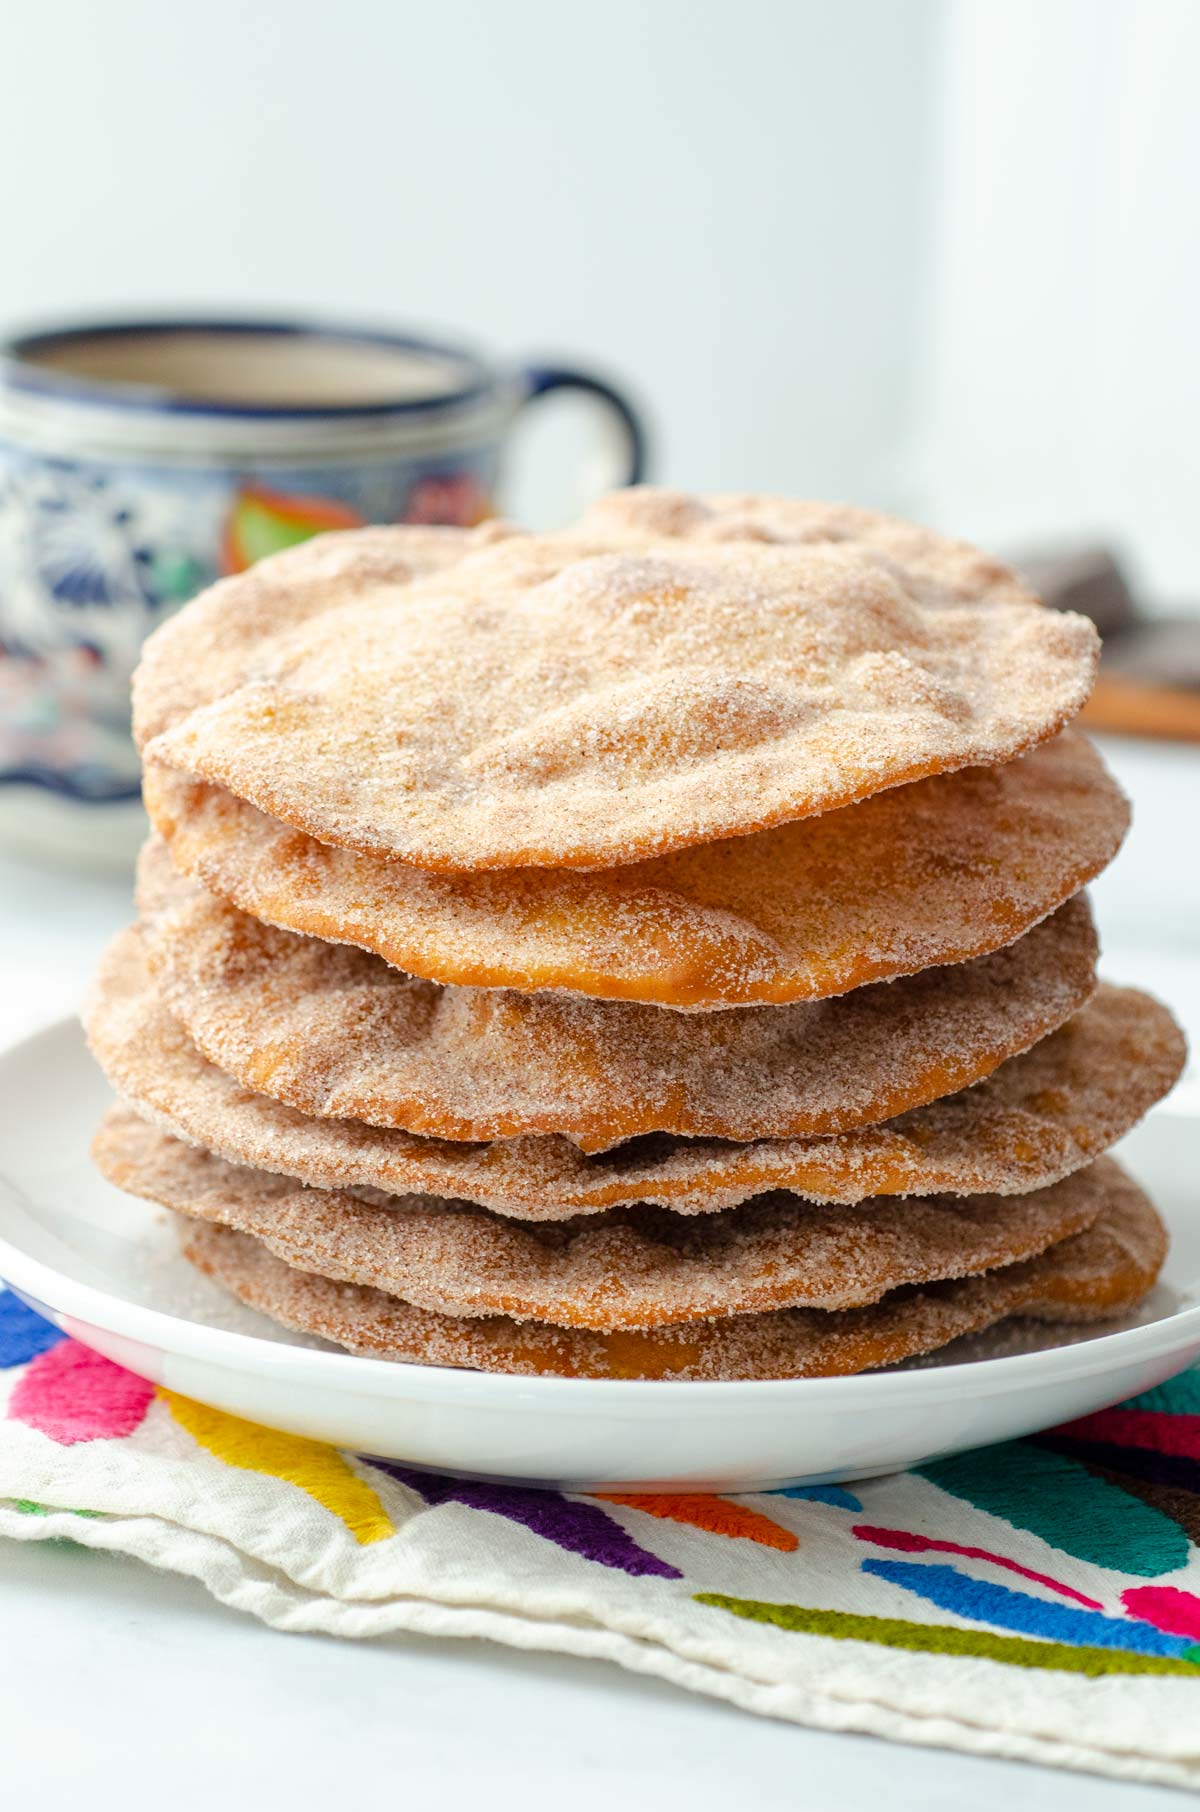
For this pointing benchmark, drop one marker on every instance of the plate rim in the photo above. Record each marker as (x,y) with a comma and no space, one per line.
(394,1378)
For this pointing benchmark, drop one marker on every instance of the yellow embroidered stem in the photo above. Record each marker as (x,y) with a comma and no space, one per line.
(311,1465)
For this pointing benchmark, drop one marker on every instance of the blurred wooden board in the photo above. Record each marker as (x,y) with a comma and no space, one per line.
(1129,707)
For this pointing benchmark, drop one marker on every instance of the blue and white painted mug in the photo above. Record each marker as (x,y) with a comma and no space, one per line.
(141,460)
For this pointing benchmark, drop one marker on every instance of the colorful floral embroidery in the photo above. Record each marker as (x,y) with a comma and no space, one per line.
(23,1334)
(73,1394)
(1110,1502)
(948,1639)
(311,1466)
(577,1526)
(716,1515)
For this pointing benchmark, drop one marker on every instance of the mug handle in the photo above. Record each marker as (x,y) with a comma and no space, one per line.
(629,454)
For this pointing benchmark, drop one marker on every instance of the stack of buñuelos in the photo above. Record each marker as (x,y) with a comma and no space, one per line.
(655,950)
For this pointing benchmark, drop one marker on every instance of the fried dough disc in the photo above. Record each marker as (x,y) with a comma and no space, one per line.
(216,644)
(635,1268)
(1092,1276)
(936,872)
(658,678)
(1037,1118)
(337,1033)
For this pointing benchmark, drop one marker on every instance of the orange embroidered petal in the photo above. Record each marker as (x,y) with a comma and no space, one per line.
(718,1515)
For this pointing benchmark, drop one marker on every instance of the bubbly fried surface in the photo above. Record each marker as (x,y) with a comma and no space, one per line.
(633,1268)
(936,872)
(337,1033)
(217,643)
(1037,1118)
(671,672)
(1099,1273)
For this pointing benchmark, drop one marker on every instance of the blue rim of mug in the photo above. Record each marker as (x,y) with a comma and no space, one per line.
(19,350)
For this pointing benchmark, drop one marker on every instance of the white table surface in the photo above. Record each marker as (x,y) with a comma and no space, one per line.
(120,1688)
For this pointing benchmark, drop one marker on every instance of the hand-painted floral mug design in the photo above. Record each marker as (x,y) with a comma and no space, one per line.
(140,461)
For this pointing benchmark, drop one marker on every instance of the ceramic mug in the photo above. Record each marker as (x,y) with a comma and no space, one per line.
(139,461)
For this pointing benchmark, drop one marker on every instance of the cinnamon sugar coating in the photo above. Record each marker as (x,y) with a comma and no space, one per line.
(633,1268)
(216,644)
(337,1033)
(671,672)
(1035,1119)
(936,872)
(1094,1275)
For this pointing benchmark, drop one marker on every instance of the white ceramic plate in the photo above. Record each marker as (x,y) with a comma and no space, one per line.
(105,1268)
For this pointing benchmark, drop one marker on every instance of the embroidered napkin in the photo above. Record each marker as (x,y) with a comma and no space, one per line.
(1039,1600)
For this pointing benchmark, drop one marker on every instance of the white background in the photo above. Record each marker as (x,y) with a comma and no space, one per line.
(718,200)
(938,254)
(1062,357)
